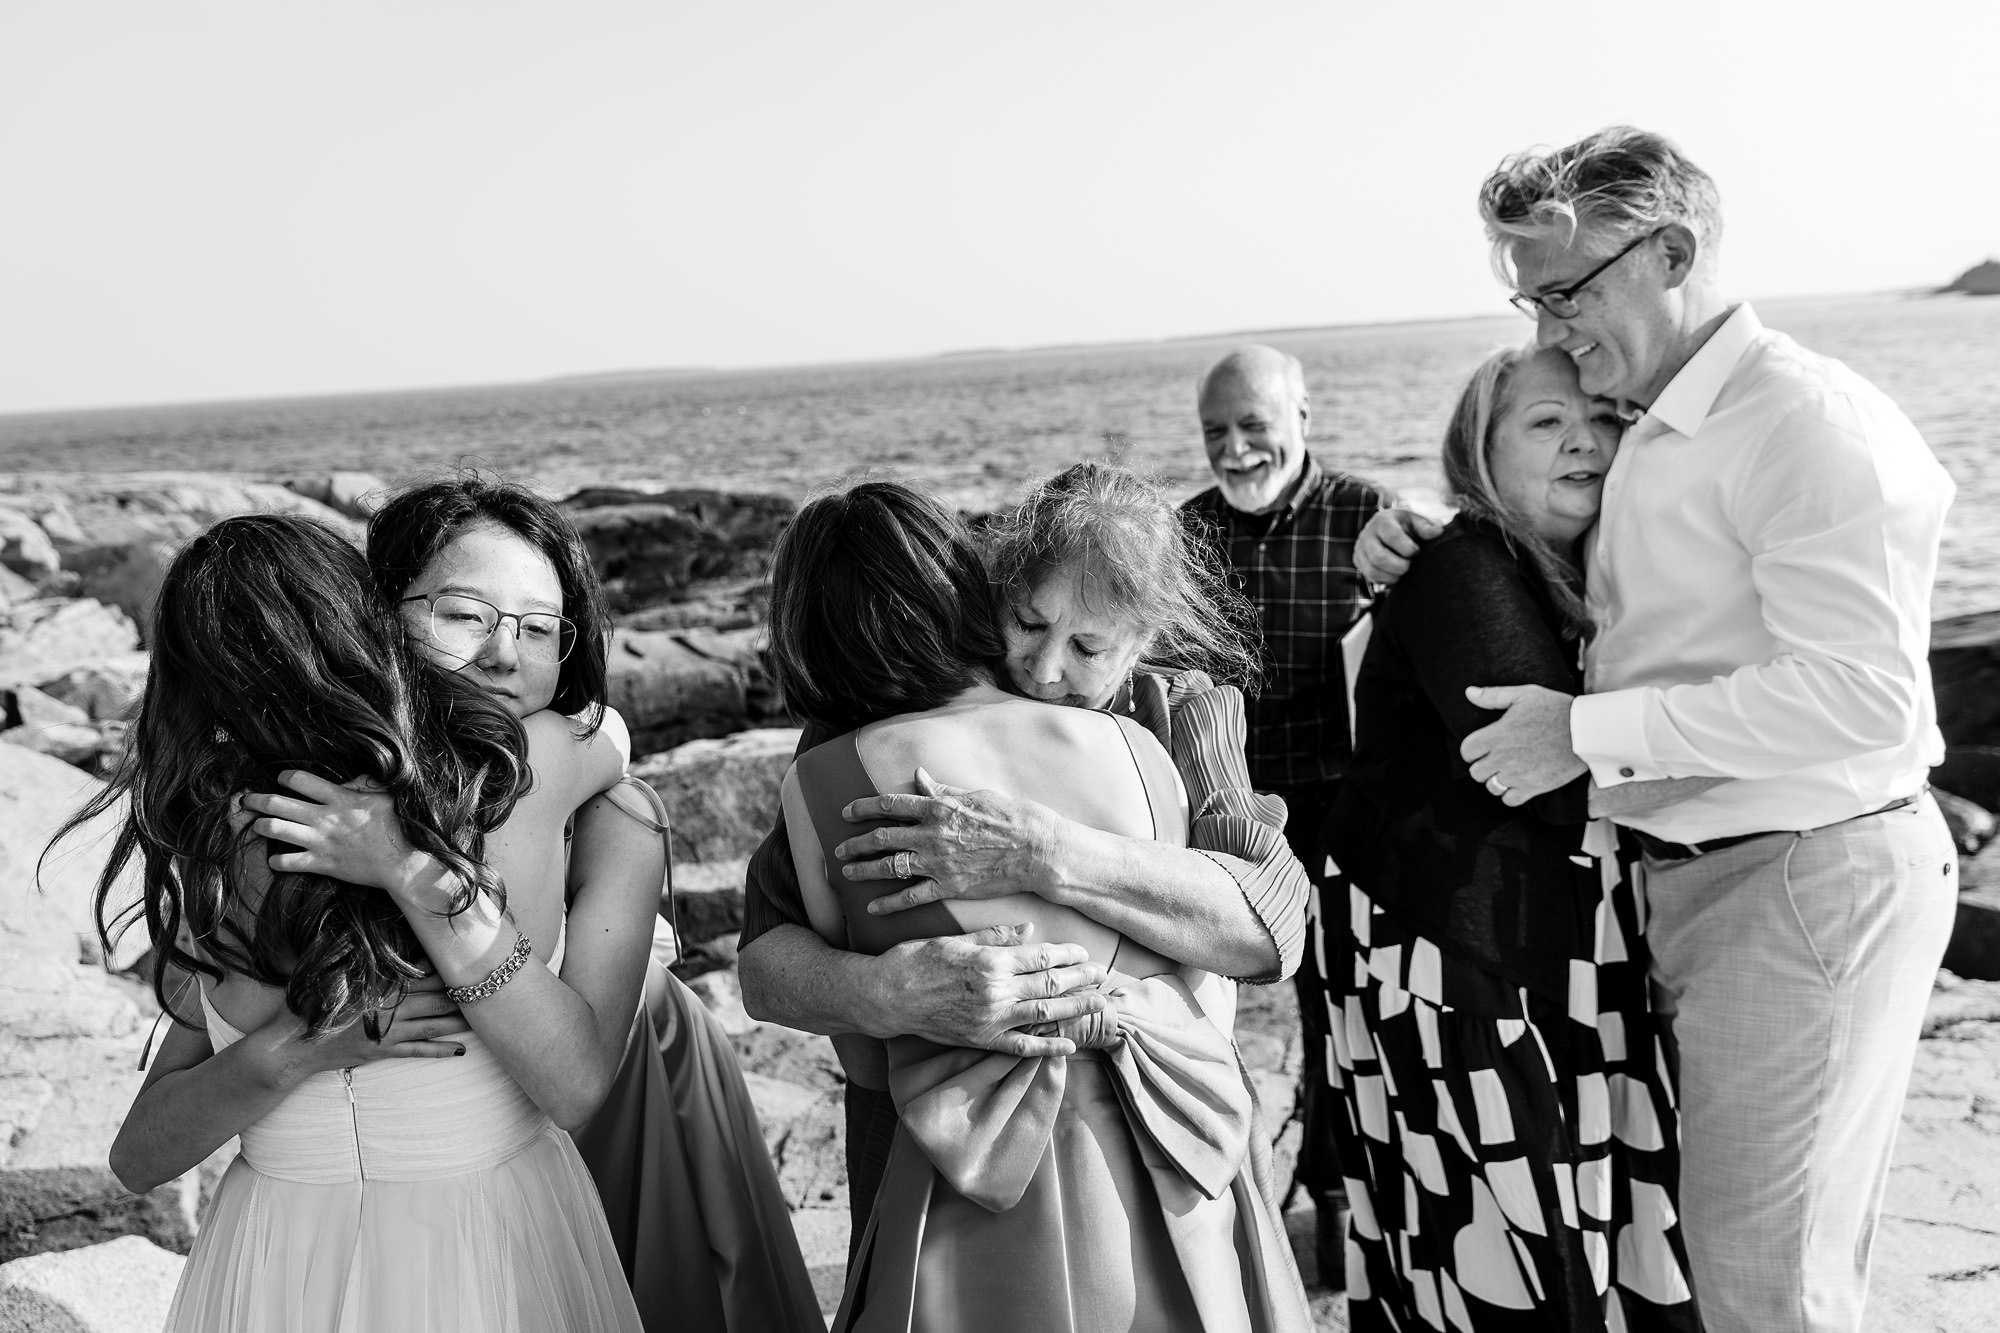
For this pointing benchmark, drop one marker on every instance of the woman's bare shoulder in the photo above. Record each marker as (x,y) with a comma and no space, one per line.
(571,765)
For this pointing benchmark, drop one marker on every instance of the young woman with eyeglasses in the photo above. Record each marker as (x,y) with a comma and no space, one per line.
(492,582)
(374,1189)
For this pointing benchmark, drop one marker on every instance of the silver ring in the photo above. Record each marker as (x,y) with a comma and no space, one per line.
(1494,785)
(902,863)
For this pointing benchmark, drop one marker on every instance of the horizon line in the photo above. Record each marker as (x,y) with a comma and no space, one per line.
(670,372)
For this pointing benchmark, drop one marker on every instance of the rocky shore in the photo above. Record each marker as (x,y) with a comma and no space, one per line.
(81,556)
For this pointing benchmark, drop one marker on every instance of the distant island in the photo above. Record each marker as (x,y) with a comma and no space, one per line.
(1979,280)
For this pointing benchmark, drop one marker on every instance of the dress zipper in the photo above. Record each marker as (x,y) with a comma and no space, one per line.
(354,1121)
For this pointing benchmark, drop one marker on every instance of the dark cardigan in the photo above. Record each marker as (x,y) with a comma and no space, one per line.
(1494,886)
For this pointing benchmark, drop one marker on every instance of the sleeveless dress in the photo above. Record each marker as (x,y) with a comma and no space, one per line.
(688,1188)
(1108,1190)
(425,1195)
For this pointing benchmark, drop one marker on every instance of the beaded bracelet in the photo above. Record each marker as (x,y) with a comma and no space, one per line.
(495,979)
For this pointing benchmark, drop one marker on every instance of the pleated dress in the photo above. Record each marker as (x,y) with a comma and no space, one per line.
(421,1195)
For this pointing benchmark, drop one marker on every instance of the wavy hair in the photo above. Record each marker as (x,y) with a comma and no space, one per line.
(880,604)
(272,651)
(1611,186)
(1138,562)
(417,522)
(1468,479)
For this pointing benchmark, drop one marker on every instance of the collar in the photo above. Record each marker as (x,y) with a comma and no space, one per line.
(1310,476)
(1684,404)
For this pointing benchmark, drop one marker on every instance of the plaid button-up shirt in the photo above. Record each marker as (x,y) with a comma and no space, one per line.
(1296,564)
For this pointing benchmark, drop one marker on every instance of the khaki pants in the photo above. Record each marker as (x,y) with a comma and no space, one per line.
(1793,971)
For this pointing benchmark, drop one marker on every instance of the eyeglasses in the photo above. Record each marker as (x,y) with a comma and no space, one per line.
(1562,302)
(461,625)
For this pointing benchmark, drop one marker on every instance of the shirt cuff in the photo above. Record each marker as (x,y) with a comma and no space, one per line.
(1608,732)
(1273,883)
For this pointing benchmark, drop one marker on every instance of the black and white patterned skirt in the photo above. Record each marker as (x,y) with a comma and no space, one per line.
(1511,1162)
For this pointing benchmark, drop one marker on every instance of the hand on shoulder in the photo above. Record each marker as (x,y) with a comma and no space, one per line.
(1390,541)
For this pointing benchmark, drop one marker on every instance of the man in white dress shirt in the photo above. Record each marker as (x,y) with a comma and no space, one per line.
(1760,583)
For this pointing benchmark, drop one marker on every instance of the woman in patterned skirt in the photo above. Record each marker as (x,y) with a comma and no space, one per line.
(1509,1123)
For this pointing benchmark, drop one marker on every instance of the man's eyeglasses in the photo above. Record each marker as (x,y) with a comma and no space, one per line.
(1562,302)
(460,626)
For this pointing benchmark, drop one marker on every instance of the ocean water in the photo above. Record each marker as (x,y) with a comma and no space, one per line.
(976,427)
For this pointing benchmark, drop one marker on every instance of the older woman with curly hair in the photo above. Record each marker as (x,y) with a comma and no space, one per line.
(1107,1185)
(1103,604)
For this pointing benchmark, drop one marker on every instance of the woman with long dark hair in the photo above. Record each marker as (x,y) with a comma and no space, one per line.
(371,1191)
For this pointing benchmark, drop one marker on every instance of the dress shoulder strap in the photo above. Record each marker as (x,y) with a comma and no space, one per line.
(1156,773)
(831,775)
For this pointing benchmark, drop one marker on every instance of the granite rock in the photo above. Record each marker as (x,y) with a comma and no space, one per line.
(126,575)
(1971,772)
(14,588)
(1971,825)
(46,989)
(686,684)
(1974,950)
(24,547)
(47,508)
(1965,676)
(69,1031)
(1937,1250)
(650,547)
(355,495)
(707,905)
(44,638)
(119,1286)
(106,690)
(722,795)
(1980,280)
(112,507)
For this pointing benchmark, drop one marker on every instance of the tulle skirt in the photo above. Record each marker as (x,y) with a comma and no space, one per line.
(519,1246)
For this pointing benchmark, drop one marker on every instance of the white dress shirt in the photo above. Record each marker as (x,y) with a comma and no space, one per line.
(1760,577)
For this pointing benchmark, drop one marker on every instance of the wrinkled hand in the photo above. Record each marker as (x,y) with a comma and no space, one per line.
(962,844)
(979,989)
(347,831)
(1390,541)
(1526,753)
(421,1027)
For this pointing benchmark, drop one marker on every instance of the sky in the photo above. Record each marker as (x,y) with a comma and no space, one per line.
(233,198)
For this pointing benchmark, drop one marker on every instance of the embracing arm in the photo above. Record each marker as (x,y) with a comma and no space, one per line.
(1177,901)
(1232,902)
(193,1102)
(560,1037)
(957,990)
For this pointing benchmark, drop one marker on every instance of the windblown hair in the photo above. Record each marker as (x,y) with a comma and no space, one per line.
(419,521)
(1609,188)
(1137,562)
(880,605)
(1468,479)
(272,651)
